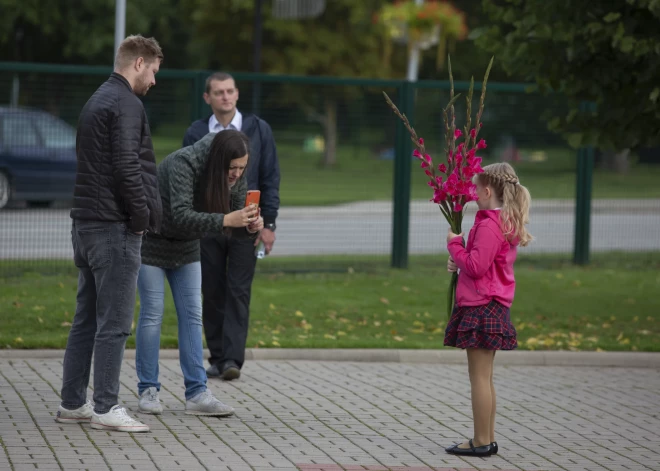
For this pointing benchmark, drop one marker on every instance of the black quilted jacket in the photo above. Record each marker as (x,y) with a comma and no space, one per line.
(116,178)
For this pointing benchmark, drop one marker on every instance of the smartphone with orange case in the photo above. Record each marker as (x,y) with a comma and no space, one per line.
(253,197)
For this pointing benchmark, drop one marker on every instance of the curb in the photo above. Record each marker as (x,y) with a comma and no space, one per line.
(446,357)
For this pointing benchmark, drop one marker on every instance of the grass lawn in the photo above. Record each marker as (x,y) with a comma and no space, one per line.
(610,305)
(359,176)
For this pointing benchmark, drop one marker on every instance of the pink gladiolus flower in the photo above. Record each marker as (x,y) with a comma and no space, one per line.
(431,183)
(438,181)
(458,207)
(473,133)
(481,144)
(442,168)
(424,164)
(470,155)
(428,173)
(481,125)
(427,157)
(472,194)
(439,196)
(417,153)
(459,149)
(451,183)
(421,141)
(458,133)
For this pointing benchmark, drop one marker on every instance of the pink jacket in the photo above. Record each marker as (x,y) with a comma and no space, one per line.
(486,263)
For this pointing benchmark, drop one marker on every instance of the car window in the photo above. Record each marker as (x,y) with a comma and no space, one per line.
(18,131)
(56,134)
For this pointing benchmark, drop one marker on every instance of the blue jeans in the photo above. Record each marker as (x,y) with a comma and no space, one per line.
(186,285)
(107,255)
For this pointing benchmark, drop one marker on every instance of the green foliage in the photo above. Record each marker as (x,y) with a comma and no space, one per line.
(342,41)
(60,31)
(606,53)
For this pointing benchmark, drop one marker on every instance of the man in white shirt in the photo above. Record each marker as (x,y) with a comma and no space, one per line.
(228,264)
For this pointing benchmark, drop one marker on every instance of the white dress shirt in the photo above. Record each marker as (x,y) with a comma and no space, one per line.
(236,123)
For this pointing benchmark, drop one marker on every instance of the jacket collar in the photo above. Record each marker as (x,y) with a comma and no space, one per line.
(122,79)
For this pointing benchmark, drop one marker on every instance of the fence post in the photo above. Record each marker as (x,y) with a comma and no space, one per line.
(584,180)
(401,193)
(198,100)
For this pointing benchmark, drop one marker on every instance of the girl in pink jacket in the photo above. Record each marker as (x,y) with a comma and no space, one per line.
(481,321)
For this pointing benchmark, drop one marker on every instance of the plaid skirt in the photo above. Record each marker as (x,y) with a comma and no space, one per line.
(488,326)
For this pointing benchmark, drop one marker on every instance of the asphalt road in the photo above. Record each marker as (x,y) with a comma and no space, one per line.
(366,228)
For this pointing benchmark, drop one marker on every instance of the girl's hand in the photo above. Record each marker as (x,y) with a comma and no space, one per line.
(451,265)
(256,226)
(451,235)
(241,218)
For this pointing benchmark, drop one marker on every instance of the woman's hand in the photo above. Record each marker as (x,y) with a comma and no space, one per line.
(256,226)
(451,265)
(451,235)
(241,218)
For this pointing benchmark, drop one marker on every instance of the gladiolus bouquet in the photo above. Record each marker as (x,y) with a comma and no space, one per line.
(451,181)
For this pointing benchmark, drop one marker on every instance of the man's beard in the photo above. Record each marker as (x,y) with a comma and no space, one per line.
(141,87)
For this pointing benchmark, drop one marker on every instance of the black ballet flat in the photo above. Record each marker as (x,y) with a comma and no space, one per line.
(482,451)
(494,449)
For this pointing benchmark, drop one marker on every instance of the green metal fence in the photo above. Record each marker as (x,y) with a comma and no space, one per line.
(367,202)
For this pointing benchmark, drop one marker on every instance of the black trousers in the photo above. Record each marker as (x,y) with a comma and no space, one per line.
(228,265)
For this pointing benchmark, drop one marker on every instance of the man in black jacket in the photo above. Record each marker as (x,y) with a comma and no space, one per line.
(116,202)
(228,264)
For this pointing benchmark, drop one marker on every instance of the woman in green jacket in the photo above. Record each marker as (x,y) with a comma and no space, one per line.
(203,192)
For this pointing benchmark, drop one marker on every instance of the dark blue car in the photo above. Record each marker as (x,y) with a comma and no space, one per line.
(37,157)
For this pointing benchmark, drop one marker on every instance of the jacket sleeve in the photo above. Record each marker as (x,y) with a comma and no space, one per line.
(125,140)
(269,175)
(184,218)
(478,260)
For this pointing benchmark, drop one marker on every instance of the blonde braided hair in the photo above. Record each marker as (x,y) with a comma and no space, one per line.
(515,198)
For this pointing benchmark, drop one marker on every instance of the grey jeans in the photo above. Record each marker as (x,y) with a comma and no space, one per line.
(107,255)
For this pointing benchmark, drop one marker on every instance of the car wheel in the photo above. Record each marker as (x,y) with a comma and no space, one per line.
(5,189)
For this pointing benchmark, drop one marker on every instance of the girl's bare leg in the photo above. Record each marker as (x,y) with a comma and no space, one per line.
(480,367)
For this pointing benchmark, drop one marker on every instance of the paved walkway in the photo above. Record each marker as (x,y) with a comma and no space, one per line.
(345,416)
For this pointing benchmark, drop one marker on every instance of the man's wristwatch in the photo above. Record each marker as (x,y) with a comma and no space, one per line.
(271,226)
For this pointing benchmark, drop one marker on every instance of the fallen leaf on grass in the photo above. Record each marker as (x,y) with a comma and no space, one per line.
(18,340)
(271,306)
(405,288)
(384,300)
(340,333)
(328,336)
(17,304)
(299,314)
(60,284)
(41,321)
(377,324)
(397,338)
(38,308)
(66,324)
(275,343)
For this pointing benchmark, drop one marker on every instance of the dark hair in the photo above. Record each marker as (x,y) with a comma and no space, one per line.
(135,46)
(226,146)
(220,77)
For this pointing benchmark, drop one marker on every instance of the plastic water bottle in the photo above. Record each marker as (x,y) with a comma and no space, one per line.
(260,250)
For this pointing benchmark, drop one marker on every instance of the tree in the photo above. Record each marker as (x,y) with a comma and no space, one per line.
(342,42)
(82,32)
(601,52)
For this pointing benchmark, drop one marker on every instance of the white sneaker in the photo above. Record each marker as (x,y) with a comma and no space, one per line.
(205,403)
(117,419)
(149,402)
(76,416)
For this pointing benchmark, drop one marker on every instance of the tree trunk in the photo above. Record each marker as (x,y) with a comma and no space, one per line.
(330,131)
(618,162)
